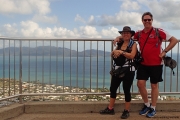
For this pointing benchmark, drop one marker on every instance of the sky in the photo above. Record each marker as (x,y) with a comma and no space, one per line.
(92,19)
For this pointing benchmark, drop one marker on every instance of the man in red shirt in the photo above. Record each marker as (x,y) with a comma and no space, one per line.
(152,64)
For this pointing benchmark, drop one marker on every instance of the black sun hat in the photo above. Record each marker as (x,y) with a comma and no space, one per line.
(127,29)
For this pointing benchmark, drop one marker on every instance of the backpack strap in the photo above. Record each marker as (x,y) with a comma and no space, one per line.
(157,35)
(131,42)
(139,34)
(157,32)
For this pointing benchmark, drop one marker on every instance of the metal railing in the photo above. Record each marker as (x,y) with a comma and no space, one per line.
(34,67)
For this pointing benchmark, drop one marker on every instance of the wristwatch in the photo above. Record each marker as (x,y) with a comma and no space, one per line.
(165,51)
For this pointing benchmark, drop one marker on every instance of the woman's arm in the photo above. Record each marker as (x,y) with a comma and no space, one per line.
(132,54)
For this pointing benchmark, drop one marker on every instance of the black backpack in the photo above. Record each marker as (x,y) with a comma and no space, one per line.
(137,59)
(169,62)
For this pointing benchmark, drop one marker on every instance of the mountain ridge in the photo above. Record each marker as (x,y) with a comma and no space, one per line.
(53,51)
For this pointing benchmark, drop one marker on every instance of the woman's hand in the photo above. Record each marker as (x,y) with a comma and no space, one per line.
(116,53)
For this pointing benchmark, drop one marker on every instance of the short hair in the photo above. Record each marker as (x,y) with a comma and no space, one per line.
(147,13)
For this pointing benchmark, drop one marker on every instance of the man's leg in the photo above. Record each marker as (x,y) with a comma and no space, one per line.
(154,97)
(142,89)
(154,93)
(155,77)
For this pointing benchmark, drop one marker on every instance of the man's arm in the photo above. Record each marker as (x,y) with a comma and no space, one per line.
(173,41)
(117,39)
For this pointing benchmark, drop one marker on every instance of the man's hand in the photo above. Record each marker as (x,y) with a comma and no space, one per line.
(117,39)
(163,54)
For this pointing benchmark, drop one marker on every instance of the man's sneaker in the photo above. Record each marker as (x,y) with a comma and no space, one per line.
(151,113)
(144,110)
(125,114)
(107,111)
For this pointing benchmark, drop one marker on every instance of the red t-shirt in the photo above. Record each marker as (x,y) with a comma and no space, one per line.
(152,48)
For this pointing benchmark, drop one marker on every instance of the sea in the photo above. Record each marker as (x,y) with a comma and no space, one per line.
(81,72)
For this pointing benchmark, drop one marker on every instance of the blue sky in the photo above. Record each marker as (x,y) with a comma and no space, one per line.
(84,18)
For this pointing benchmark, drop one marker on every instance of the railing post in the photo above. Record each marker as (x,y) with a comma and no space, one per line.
(20,73)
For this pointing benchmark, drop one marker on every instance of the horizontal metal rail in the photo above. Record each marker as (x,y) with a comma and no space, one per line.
(10,97)
(59,94)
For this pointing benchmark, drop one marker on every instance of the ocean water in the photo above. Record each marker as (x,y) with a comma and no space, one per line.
(82,72)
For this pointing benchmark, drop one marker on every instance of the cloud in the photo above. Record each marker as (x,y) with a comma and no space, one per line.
(24,6)
(9,29)
(45,19)
(166,15)
(175,25)
(64,33)
(164,11)
(79,18)
(29,28)
(91,20)
(33,30)
(129,5)
(89,31)
(111,32)
(126,16)
(121,18)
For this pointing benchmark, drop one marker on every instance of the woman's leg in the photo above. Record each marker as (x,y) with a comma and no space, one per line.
(127,83)
(115,82)
(113,88)
(111,103)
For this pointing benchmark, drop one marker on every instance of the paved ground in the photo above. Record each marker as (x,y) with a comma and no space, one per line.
(95,116)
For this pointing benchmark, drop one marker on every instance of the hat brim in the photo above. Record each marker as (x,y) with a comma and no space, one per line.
(132,32)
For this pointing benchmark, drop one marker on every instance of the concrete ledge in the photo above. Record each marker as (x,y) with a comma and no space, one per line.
(11,111)
(90,107)
(79,108)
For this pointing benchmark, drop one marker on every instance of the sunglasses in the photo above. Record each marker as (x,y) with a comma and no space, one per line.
(147,20)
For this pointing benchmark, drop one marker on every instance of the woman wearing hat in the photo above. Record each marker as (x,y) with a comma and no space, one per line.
(122,58)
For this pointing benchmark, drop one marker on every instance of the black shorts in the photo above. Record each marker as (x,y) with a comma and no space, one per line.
(154,72)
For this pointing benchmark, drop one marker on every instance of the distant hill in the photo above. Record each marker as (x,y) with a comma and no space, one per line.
(53,51)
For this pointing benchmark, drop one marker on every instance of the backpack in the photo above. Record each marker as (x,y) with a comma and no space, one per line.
(169,62)
(137,59)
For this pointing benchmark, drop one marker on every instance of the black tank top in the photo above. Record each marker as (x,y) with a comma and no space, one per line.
(120,60)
